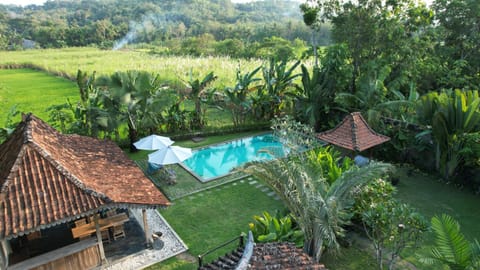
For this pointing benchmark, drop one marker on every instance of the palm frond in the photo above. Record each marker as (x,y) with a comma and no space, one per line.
(451,247)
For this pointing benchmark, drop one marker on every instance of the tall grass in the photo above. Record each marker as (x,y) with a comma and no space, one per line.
(172,69)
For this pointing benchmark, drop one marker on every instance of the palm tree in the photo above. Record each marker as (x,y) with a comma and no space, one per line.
(375,100)
(451,247)
(132,97)
(320,208)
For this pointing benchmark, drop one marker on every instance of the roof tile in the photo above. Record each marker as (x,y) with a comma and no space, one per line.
(353,133)
(49,178)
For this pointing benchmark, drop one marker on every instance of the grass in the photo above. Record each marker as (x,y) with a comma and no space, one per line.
(211,218)
(33,91)
(174,263)
(432,196)
(354,257)
(186,184)
(105,62)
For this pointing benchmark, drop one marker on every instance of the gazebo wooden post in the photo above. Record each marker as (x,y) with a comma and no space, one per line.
(5,251)
(148,235)
(99,239)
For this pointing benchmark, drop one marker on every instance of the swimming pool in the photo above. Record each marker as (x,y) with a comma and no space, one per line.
(220,159)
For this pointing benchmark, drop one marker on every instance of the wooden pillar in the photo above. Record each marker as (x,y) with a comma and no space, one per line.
(99,239)
(5,250)
(148,234)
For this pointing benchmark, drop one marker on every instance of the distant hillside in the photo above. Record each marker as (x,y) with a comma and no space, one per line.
(106,23)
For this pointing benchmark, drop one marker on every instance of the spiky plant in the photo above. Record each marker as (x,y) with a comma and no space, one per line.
(451,247)
(320,208)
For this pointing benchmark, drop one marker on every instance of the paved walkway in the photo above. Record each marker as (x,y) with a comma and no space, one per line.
(167,246)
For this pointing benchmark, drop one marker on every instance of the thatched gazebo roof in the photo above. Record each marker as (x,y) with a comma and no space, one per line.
(353,133)
(48,178)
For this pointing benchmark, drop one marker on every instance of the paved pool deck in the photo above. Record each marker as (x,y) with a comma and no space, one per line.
(167,246)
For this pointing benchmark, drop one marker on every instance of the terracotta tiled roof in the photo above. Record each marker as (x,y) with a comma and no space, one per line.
(267,256)
(47,178)
(281,256)
(353,133)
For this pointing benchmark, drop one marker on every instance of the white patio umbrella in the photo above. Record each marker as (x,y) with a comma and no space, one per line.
(170,155)
(153,142)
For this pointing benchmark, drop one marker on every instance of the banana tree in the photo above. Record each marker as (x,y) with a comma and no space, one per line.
(238,102)
(197,90)
(88,111)
(278,89)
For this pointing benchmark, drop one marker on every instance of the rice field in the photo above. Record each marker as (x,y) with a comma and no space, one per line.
(33,91)
(172,69)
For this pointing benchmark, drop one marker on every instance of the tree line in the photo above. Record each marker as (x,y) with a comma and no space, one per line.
(193,27)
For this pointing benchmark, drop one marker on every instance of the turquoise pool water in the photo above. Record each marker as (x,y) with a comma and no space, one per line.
(220,159)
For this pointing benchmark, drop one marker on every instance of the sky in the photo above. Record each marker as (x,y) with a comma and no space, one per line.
(22,2)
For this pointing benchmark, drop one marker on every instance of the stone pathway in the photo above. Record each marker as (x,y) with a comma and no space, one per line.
(263,188)
(169,244)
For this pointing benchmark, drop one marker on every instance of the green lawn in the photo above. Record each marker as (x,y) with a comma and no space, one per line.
(432,196)
(33,91)
(210,218)
(186,184)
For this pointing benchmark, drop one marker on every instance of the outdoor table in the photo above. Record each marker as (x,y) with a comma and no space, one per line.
(104,224)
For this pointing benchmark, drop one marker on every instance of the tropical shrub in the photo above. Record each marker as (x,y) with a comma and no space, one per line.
(176,117)
(392,226)
(451,248)
(471,151)
(320,208)
(376,192)
(451,115)
(330,162)
(268,228)
(10,125)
